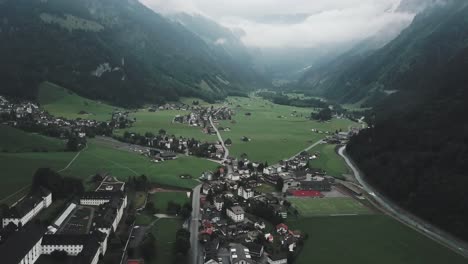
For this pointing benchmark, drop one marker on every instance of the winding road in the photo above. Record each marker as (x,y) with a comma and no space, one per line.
(395,211)
(226,150)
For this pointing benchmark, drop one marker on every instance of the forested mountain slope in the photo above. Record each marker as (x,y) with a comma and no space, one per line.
(435,36)
(417,150)
(115,50)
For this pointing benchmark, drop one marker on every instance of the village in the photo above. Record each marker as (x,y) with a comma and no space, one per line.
(237,223)
(240,224)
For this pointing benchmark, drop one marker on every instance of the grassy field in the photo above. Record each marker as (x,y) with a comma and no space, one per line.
(61,102)
(19,168)
(265,188)
(153,121)
(368,239)
(308,207)
(139,199)
(329,161)
(122,164)
(276,131)
(164,230)
(15,140)
(160,199)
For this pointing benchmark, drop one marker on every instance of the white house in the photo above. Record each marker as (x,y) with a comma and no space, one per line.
(27,208)
(236,213)
(245,193)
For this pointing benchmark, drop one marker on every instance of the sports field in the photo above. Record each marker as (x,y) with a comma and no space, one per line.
(61,102)
(160,199)
(276,131)
(309,207)
(329,161)
(15,140)
(368,239)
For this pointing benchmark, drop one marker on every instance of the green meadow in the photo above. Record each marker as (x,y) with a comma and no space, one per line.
(160,199)
(276,131)
(368,239)
(18,168)
(16,140)
(61,102)
(329,161)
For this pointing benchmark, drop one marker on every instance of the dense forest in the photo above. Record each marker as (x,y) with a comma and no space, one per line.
(113,50)
(417,149)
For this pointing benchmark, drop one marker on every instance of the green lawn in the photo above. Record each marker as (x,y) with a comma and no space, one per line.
(308,207)
(368,239)
(160,199)
(275,134)
(16,140)
(144,219)
(265,188)
(139,199)
(154,121)
(61,102)
(164,230)
(329,161)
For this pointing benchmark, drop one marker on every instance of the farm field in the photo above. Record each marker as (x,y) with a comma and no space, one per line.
(147,121)
(16,140)
(329,161)
(61,102)
(368,239)
(160,199)
(164,230)
(309,207)
(276,131)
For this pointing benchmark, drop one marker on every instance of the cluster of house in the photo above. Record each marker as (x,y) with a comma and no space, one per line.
(228,232)
(79,235)
(199,117)
(298,178)
(28,115)
(173,106)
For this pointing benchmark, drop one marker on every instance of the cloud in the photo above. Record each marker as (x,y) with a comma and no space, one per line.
(295,23)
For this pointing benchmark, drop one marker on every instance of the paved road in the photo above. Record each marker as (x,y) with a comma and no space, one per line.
(405,217)
(309,147)
(226,150)
(195,251)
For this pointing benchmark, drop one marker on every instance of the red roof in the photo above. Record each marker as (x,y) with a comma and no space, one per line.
(281,226)
(307,193)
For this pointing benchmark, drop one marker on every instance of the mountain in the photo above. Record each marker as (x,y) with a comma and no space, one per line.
(225,43)
(433,38)
(417,148)
(114,50)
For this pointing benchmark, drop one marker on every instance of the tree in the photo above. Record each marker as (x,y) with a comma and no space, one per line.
(324,115)
(162,132)
(279,184)
(182,243)
(228,141)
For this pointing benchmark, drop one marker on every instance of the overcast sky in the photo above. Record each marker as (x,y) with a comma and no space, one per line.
(294,23)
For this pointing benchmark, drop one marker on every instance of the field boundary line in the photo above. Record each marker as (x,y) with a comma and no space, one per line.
(74,158)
